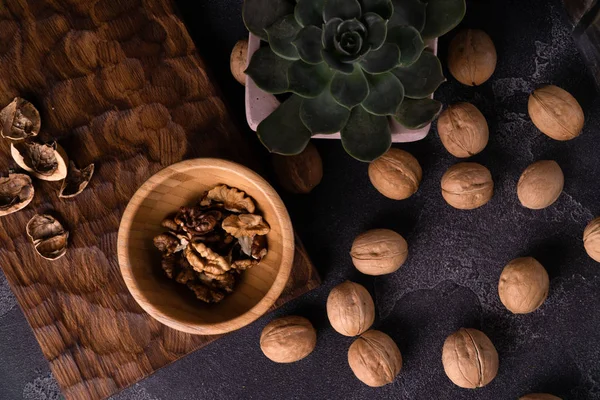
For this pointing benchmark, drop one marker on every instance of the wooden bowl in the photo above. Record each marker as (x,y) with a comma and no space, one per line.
(174,304)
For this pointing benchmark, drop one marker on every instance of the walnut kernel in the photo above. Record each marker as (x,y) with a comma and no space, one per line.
(16,192)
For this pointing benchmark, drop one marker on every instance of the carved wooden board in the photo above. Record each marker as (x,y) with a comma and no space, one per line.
(119,84)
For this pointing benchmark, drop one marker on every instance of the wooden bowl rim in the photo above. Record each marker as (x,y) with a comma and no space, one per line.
(287,256)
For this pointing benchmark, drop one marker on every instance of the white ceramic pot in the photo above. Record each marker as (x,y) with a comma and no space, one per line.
(259,104)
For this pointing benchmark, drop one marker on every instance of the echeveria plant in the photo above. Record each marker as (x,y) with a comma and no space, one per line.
(349,65)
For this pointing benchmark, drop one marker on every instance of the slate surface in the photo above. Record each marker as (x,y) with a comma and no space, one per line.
(455,258)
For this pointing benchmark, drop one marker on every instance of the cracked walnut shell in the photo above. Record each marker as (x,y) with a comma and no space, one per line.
(467,185)
(472,57)
(556,113)
(463,130)
(375,358)
(48,236)
(350,309)
(523,285)
(540,185)
(379,252)
(16,192)
(20,120)
(288,339)
(591,239)
(45,161)
(396,174)
(470,359)
(539,396)
(76,181)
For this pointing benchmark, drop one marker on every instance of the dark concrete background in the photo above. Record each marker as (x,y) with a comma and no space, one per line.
(456,257)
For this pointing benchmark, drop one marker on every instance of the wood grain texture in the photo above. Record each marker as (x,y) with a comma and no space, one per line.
(119,84)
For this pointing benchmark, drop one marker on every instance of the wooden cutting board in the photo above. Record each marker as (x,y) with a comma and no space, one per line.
(119,84)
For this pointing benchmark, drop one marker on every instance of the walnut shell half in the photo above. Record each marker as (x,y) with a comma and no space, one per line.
(48,236)
(16,192)
(76,180)
(20,120)
(46,161)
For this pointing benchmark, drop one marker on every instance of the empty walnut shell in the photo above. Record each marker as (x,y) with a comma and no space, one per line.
(48,236)
(463,130)
(76,180)
(288,339)
(350,309)
(379,252)
(467,186)
(396,174)
(591,239)
(375,358)
(523,285)
(239,60)
(539,396)
(20,120)
(470,359)
(16,192)
(46,161)
(540,185)
(472,57)
(556,113)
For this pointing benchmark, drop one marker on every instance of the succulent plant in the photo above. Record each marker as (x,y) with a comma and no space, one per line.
(349,65)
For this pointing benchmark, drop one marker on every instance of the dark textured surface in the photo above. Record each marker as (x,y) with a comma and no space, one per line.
(455,258)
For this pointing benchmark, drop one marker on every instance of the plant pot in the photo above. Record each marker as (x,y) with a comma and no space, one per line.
(259,104)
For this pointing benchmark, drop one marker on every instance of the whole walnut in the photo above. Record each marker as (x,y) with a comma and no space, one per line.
(374,358)
(288,339)
(467,185)
(472,57)
(238,61)
(300,173)
(463,130)
(556,113)
(379,252)
(540,185)
(591,239)
(350,309)
(470,359)
(396,174)
(539,396)
(523,285)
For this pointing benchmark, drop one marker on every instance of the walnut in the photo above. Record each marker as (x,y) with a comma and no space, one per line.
(259,247)
(232,199)
(523,285)
(185,275)
(170,224)
(16,192)
(205,293)
(244,264)
(396,174)
(540,185)
(46,161)
(375,358)
(350,309)
(463,130)
(591,239)
(539,396)
(379,252)
(48,236)
(245,225)
(76,180)
(472,57)
(20,120)
(169,243)
(213,262)
(556,113)
(470,359)
(299,173)
(196,220)
(467,186)
(239,60)
(288,339)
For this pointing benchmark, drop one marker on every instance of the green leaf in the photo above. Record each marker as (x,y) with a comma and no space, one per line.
(443,16)
(384,8)
(261,14)
(385,94)
(350,90)
(408,39)
(269,71)
(309,12)
(421,78)
(323,114)
(308,43)
(416,114)
(335,63)
(344,9)
(308,80)
(283,132)
(377,30)
(366,136)
(383,60)
(408,12)
(329,32)
(349,44)
(352,25)
(281,35)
